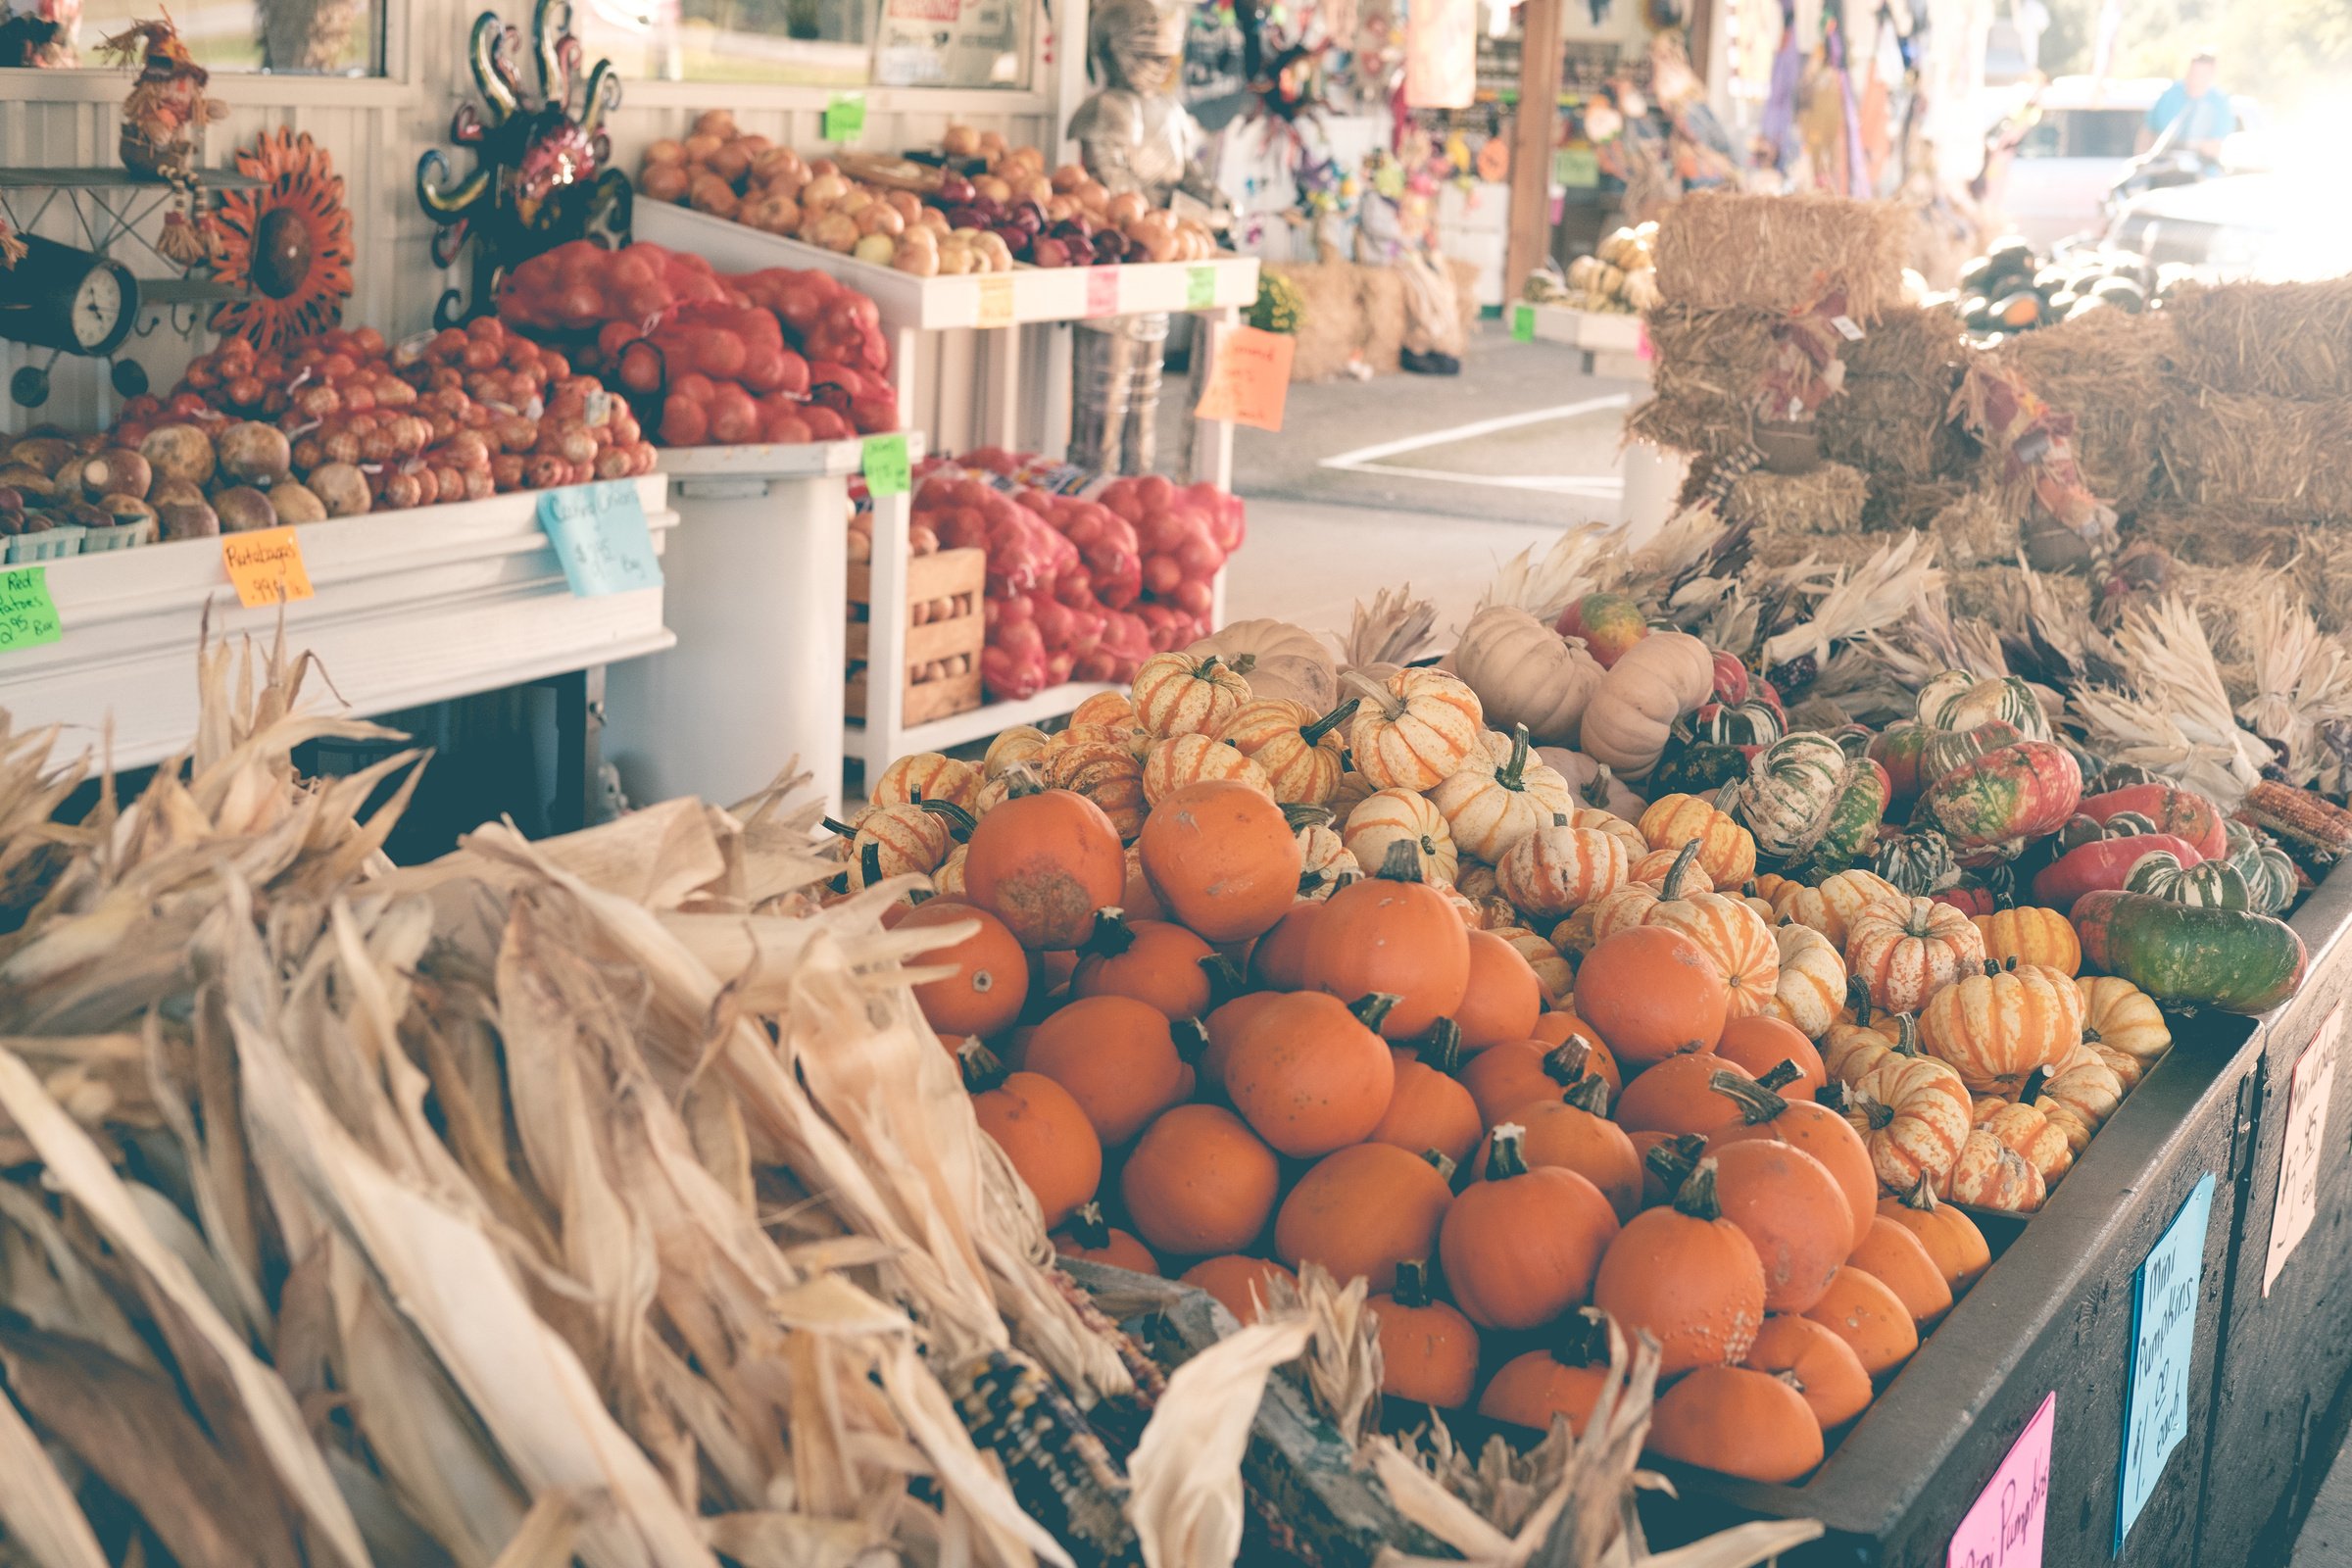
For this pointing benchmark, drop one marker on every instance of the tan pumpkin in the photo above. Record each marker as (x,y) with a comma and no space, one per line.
(1555,976)
(1012,747)
(1727,852)
(1185,759)
(1325,865)
(1989,1174)
(1286,662)
(2030,935)
(2078,1096)
(1913,1113)
(1594,783)
(1499,797)
(1113,709)
(1617,827)
(1657,865)
(1414,729)
(1654,682)
(2000,1027)
(1525,673)
(1908,952)
(1109,775)
(1301,752)
(1830,907)
(1393,815)
(921,776)
(1558,869)
(1812,983)
(949,878)
(2029,1132)
(1187,694)
(2123,1026)
(896,840)
(1852,1047)
(1730,934)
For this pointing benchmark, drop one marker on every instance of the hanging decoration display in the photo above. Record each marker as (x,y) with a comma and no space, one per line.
(287,243)
(536,181)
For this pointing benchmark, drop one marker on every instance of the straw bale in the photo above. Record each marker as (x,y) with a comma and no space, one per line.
(1897,503)
(2288,461)
(1826,501)
(2204,539)
(2279,340)
(1914,344)
(1975,527)
(1781,253)
(1854,431)
(1383,296)
(2109,370)
(1712,341)
(1992,592)
(1701,426)
(1331,317)
(1785,549)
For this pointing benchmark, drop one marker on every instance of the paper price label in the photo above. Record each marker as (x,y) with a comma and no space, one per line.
(2309,1088)
(1249,378)
(28,615)
(1578,167)
(265,567)
(2003,1528)
(1523,323)
(1199,288)
(1642,345)
(995,300)
(885,466)
(1102,291)
(2164,1337)
(1847,329)
(601,537)
(845,116)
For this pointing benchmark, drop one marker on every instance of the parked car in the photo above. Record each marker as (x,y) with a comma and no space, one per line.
(2264,226)
(2084,145)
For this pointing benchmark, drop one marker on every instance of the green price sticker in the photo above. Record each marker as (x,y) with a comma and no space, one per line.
(845,116)
(1523,323)
(1199,288)
(1576,167)
(887,471)
(28,615)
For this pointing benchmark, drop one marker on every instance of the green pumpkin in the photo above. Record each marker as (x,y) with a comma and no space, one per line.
(1948,751)
(2270,880)
(1792,787)
(1696,768)
(1850,828)
(1749,723)
(1920,862)
(2210,884)
(2233,960)
(1957,699)
(1279,307)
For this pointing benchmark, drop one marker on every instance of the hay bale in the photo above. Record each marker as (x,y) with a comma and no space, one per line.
(1381,295)
(2278,458)
(1702,427)
(1712,342)
(1783,253)
(2110,370)
(1974,528)
(2204,540)
(1331,315)
(1827,501)
(1897,448)
(1994,592)
(1912,345)
(2278,340)
(1783,549)
(1908,503)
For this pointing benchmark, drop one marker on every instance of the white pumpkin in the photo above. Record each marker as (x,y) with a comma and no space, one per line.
(1287,661)
(1654,682)
(1525,673)
(1499,797)
(1388,815)
(1594,784)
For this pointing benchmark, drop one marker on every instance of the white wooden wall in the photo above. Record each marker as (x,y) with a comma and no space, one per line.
(376,130)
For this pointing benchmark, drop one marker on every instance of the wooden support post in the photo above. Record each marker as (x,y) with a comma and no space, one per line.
(1540,65)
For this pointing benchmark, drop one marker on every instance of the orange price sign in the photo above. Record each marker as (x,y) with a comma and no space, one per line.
(266,566)
(1249,377)
(995,300)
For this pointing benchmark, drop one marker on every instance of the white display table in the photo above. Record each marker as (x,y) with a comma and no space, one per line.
(410,608)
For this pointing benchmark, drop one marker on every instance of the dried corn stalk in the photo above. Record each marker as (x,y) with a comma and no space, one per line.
(1394,629)
(2175,717)
(2302,682)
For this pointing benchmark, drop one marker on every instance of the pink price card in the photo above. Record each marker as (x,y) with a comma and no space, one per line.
(2003,1529)
(1641,348)
(1101,291)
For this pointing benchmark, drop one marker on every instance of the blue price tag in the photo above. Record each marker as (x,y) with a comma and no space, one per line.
(2164,1337)
(600,534)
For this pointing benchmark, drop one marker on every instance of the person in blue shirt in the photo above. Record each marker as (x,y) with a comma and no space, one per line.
(2198,105)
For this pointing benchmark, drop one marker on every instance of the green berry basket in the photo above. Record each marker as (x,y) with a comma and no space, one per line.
(50,544)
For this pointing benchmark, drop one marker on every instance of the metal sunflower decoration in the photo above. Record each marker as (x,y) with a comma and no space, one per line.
(287,243)
(535,183)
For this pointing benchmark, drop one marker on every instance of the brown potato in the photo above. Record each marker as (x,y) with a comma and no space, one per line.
(183,522)
(176,493)
(297,503)
(254,453)
(117,471)
(179,452)
(123,509)
(36,486)
(341,488)
(47,452)
(243,510)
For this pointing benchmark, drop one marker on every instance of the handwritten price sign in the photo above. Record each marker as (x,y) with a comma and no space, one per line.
(600,535)
(2164,1338)
(28,615)
(1248,379)
(2003,1528)
(2307,1096)
(266,566)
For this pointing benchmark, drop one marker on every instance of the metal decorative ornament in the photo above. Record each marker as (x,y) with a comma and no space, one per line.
(287,243)
(539,178)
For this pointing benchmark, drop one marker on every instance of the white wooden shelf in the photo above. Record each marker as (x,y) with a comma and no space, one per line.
(408,608)
(1616,343)
(980,724)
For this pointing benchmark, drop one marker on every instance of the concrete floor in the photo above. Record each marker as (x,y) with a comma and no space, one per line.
(2326,1538)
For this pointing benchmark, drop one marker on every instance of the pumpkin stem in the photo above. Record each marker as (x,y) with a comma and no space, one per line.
(869,862)
(1590,1092)
(1594,791)
(1392,705)
(1831,1096)
(1564,1063)
(1921,1197)
(1582,1339)
(916,896)
(1441,1162)
(1993,967)
(832,826)
(1697,1197)
(1442,1048)
(1672,1160)
(1504,1159)
(1225,978)
(1559,820)
(1877,1113)
(982,1071)
(1313,733)
(1401,863)
(1512,775)
(1024,779)
(1190,1038)
(1110,936)
(1302,815)
(1372,1008)
(2090,1036)
(2030,1089)
(1672,888)
(1088,1228)
(960,821)
(1781,1074)
(1857,998)
(1727,796)
(1906,1035)
(1413,1282)
(1756,1101)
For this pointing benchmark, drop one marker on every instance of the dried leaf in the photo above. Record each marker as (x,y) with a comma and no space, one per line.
(37,1511)
(1187,1471)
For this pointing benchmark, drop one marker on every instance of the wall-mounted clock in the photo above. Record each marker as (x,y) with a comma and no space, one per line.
(58,297)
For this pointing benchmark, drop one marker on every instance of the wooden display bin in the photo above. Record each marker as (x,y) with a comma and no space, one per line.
(944,588)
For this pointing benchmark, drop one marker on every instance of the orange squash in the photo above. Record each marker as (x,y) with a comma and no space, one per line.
(1663,1173)
(1394,934)
(1521,1246)
(1572,1130)
(1157,963)
(1427,1350)
(1758,1043)
(1558,1028)
(1187,694)
(1429,1108)
(1278,963)
(1951,1238)
(1678,1096)
(1686,1276)
(1862,1311)
(1118,1059)
(1819,1131)
(1822,1367)
(1241,1285)
(1091,1239)
(1563,1379)
(921,776)
(1740,1422)
(1042,1131)
(1301,755)
(1650,992)
(1502,1000)
(1223,859)
(1790,1208)
(1898,1260)
(1309,1076)
(1509,1076)
(1199,1181)
(1043,863)
(1362,1211)
(988,979)
(1224,1026)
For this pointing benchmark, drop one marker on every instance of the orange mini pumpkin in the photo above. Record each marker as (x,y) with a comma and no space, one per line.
(1572,1130)
(1819,1131)
(1898,1260)
(1861,1310)
(1309,1076)
(1427,1350)
(1502,1000)
(1278,963)
(989,973)
(1509,1076)
(1091,1239)
(1951,1238)
(1043,863)
(1199,1181)
(1223,859)
(1241,1285)
(1521,1246)
(1558,1028)
(1362,1211)
(1790,1208)
(1822,1367)
(1429,1108)
(1118,1059)
(1153,962)
(1392,934)
(1686,1276)
(1740,1422)
(1562,1379)
(1042,1131)
(1678,1096)
(1651,992)
(1760,1043)
(1225,1026)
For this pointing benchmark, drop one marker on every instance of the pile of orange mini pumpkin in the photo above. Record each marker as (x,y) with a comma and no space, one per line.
(1213,1046)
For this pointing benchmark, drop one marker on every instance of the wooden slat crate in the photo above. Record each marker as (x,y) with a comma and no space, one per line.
(943,649)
